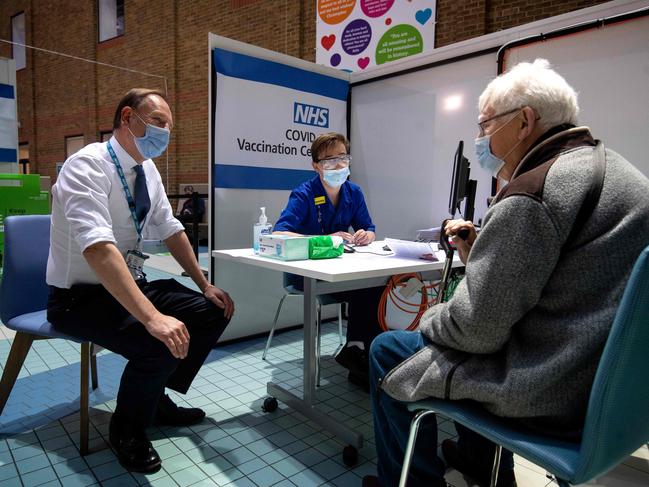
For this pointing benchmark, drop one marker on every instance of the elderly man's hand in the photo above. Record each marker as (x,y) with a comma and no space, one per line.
(453,228)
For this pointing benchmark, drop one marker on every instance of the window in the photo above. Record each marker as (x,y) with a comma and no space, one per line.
(111,19)
(18,35)
(105,135)
(23,157)
(73,144)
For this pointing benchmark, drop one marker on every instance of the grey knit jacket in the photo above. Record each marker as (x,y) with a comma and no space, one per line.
(525,329)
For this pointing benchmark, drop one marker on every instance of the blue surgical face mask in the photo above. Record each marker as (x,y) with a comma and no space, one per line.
(486,158)
(335,177)
(154,141)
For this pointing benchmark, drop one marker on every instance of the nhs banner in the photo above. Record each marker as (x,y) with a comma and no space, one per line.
(310,115)
(267,114)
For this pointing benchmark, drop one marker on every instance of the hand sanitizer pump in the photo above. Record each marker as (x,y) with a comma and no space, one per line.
(260,228)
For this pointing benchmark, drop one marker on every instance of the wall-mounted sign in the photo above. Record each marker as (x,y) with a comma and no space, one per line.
(356,34)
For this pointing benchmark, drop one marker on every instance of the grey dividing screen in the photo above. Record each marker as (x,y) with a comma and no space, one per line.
(404,133)
(609,68)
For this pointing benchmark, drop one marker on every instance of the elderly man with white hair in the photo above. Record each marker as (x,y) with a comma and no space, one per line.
(525,329)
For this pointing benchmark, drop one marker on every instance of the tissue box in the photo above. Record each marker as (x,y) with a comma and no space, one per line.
(284,247)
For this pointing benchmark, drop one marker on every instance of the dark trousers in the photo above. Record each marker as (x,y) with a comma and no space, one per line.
(91,313)
(392,422)
(362,310)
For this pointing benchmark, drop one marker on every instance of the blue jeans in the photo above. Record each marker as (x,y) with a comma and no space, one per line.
(392,422)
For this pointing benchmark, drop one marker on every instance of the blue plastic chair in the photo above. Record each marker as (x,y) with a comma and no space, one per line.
(322,300)
(617,420)
(23,303)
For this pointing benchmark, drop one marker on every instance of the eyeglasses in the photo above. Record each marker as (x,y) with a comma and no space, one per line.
(336,162)
(481,125)
(154,120)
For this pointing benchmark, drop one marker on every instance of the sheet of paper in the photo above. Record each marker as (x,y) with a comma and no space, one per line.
(407,249)
(375,248)
(429,234)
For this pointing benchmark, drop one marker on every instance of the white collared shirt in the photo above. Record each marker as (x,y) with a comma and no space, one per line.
(89,206)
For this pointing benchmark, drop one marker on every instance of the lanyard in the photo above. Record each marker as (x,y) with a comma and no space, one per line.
(336,214)
(322,230)
(127,192)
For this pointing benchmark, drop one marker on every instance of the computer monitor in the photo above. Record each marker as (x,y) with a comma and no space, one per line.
(459,180)
(461,186)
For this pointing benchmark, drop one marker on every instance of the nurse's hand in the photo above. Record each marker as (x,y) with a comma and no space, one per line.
(362,237)
(347,237)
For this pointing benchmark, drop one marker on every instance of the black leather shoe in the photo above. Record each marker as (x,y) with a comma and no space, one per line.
(455,459)
(360,380)
(353,358)
(169,414)
(133,449)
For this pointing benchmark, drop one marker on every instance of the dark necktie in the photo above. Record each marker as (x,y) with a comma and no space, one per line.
(142,201)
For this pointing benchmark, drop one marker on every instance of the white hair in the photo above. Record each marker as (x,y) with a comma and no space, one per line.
(534,85)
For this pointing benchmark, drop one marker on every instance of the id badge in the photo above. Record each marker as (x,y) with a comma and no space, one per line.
(135,261)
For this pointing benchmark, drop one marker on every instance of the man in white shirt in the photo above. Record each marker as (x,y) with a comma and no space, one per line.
(106,198)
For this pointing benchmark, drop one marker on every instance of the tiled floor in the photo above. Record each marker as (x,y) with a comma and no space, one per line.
(236,445)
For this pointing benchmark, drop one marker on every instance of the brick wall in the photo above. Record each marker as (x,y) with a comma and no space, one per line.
(60,97)
(459,20)
(503,14)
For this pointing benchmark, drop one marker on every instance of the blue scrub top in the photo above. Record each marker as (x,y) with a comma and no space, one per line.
(309,210)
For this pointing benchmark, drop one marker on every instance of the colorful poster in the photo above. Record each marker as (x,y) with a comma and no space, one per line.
(356,34)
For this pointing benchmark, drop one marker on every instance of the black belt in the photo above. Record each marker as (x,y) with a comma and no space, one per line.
(84,289)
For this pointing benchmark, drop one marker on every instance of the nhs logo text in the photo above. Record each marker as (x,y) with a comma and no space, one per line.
(310,115)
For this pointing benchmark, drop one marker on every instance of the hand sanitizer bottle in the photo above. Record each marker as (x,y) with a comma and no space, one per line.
(259,229)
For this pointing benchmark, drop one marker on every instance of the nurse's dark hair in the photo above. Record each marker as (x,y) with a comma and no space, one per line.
(324,142)
(133,99)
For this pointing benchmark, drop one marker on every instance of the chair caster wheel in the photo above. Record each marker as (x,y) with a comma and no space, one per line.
(350,456)
(270,405)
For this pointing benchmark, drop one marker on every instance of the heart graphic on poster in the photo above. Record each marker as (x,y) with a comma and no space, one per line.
(328,41)
(422,16)
(363,62)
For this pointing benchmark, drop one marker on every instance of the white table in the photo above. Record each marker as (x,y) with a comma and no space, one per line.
(350,271)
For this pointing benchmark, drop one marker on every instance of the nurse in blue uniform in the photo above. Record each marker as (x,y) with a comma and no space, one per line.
(329,204)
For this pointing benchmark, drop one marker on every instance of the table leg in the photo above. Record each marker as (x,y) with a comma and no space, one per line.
(305,404)
(310,338)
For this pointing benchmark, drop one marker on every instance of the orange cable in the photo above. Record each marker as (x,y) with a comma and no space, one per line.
(388,292)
